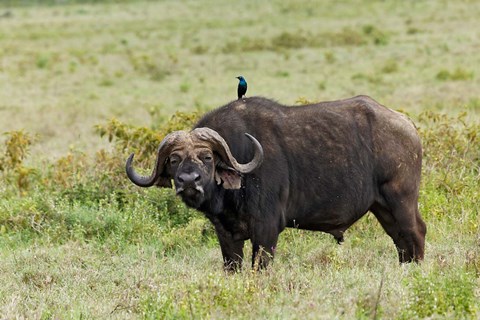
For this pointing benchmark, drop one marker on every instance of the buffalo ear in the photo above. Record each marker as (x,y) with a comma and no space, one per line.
(163,182)
(165,178)
(229,178)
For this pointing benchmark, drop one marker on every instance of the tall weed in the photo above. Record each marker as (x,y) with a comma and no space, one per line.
(12,167)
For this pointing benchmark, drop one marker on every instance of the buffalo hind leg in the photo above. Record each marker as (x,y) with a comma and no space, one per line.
(400,218)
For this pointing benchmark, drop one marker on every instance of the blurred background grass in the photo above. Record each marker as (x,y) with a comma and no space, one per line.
(66,68)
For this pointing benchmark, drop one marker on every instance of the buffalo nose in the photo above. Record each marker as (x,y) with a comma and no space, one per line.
(187,178)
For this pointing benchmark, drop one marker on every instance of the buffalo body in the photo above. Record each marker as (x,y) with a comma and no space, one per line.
(315,167)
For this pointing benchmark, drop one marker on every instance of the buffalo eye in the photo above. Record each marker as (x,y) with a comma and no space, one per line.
(174,160)
(207,158)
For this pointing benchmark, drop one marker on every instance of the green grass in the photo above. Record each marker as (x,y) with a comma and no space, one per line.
(86,82)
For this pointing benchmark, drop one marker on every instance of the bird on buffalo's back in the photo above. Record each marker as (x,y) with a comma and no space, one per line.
(242,87)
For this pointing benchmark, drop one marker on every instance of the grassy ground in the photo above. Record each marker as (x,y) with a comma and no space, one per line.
(77,240)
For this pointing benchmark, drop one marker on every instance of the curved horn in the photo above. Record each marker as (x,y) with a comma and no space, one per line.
(162,154)
(222,147)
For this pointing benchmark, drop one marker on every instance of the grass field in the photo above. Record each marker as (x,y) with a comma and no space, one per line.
(79,241)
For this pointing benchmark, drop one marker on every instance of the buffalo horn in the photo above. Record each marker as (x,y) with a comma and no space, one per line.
(162,154)
(221,146)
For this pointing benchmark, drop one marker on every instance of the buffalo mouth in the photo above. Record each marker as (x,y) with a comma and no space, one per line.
(192,196)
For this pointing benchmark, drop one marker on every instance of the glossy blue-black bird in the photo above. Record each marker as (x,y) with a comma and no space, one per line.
(242,87)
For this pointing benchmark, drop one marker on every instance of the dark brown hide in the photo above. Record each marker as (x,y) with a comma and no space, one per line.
(324,166)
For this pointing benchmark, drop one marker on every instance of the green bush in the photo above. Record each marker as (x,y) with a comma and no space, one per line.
(142,140)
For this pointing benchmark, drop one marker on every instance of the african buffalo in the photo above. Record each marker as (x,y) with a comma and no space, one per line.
(255,167)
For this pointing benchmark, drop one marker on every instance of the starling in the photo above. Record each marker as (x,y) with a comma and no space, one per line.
(242,87)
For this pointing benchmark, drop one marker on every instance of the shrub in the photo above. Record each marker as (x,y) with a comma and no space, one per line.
(142,140)
(17,148)
(78,177)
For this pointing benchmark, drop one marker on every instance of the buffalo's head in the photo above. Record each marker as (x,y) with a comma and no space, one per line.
(198,161)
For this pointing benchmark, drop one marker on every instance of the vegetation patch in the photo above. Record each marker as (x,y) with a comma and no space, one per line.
(445,294)
(347,36)
(459,74)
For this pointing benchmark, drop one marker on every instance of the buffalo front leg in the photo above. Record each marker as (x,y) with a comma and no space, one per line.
(232,250)
(264,243)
